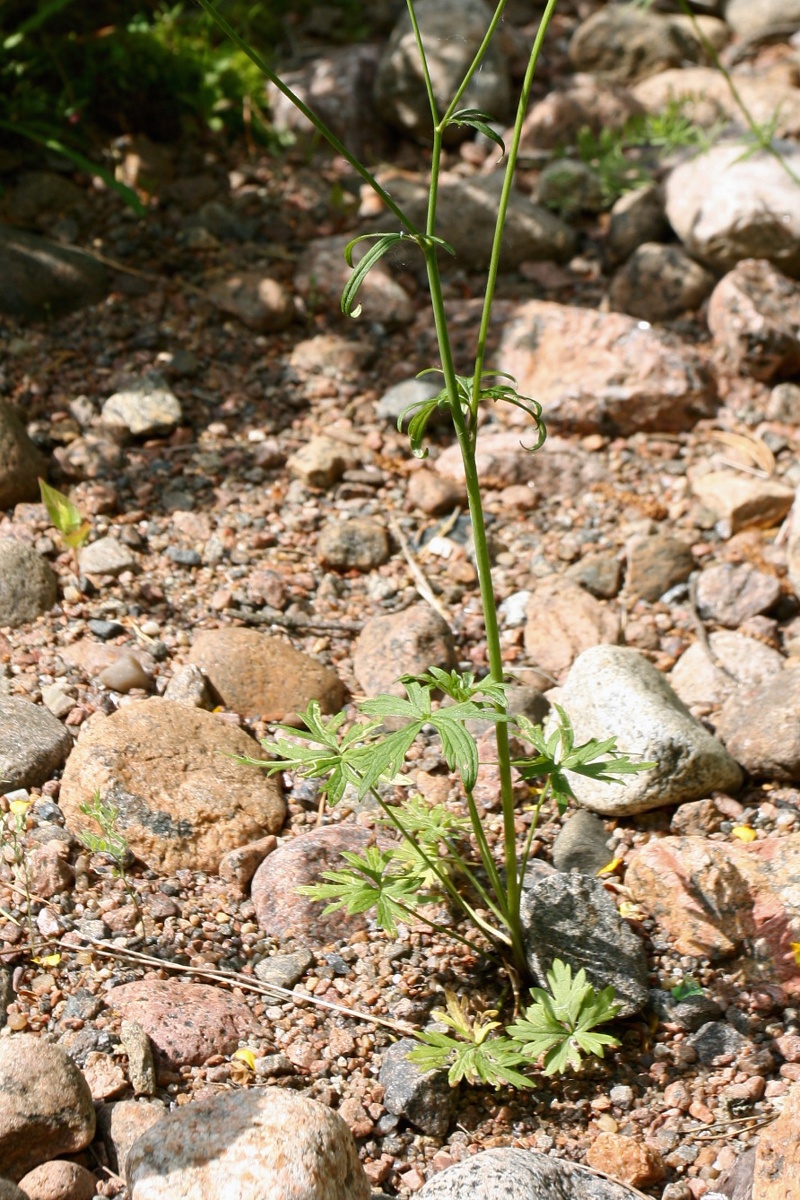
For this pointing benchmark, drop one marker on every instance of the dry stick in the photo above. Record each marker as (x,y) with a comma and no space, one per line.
(423,587)
(702,633)
(232,978)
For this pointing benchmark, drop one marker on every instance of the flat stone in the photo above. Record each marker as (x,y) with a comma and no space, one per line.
(742,502)
(259,302)
(754,315)
(615,691)
(21,463)
(171,772)
(627,378)
(34,744)
(659,282)
(186,1022)
(359,543)
(45,1105)
(284,970)
(268,1142)
(106,556)
(424,1098)
(321,462)
(731,661)
(262,676)
(28,585)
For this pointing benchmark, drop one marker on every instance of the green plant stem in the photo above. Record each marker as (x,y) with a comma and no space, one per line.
(476,62)
(764,140)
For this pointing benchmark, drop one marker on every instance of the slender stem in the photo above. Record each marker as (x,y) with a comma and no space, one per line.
(476,62)
(310,115)
(484,848)
(505,197)
(423,58)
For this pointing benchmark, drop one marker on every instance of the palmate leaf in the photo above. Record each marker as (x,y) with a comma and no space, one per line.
(368,882)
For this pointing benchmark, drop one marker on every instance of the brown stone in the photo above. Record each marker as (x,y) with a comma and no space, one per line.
(262,676)
(656,564)
(257,301)
(59,1180)
(626,378)
(626,1159)
(742,502)
(187,1023)
(563,620)
(754,315)
(404,643)
(120,1124)
(171,772)
(777,1166)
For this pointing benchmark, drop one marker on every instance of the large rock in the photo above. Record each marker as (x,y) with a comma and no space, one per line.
(467,214)
(709,674)
(750,18)
(261,676)
(615,691)
(400,94)
(42,279)
(742,501)
(45,1105)
(658,283)
(34,744)
(626,44)
(21,464)
(28,585)
(725,208)
(754,315)
(562,620)
(267,1144)
(715,900)
(186,1022)
(521,1175)
(424,1098)
(778,1150)
(171,772)
(584,102)
(627,377)
(705,98)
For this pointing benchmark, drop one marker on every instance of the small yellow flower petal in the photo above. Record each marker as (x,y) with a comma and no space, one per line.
(795,949)
(610,867)
(48,960)
(20,807)
(626,909)
(744,833)
(246,1056)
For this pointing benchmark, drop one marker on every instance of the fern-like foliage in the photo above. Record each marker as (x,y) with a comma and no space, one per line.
(560,1024)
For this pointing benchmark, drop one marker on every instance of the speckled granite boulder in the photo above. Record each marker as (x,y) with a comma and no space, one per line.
(511,1174)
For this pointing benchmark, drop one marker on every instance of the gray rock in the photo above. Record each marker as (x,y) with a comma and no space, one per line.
(400,95)
(45,1105)
(615,691)
(626,44)
(573,918)
(141,1066)
(33,746)
(338,85)
(761,729)
(21,464)
(511,1174)
(582,844)
(124,674)
(784,404)
(568,186)
(259,302)
(718,1044)
(146,408)
(659,282)
(10,1191)
(424,1098)
(284,970)
(724,209)
(730,593)
(394,402)
(754,315)
(106,556)
(637,217)
(190,686)
(599,572)
(41,279)
(272,1143)
(467,212)
(28,586)
(321,462)
(359,543)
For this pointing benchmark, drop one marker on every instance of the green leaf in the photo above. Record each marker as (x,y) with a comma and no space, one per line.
(65,516)
(560,1023)
(384,242)
(370,882)
(474,118)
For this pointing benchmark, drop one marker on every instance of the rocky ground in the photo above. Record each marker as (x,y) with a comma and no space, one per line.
(260,536)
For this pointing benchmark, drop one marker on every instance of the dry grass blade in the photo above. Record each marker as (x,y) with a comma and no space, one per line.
(423,587)
(752,450)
